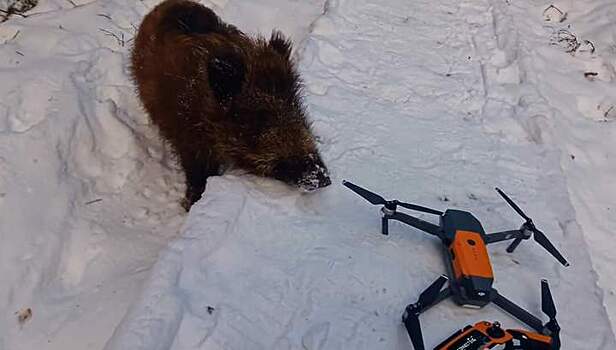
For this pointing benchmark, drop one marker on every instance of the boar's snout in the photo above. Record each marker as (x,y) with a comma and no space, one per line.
(308,173)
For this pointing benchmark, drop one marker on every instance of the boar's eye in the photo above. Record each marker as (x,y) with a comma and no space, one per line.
(226,76)
(290,169)
(257,120)
(252,121)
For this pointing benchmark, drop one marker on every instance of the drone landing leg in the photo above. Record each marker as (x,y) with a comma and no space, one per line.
(514,245)
(516,311)
(385,225)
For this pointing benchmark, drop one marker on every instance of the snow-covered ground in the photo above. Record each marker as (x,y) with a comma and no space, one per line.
(430,102)
(575,112)
(88,194)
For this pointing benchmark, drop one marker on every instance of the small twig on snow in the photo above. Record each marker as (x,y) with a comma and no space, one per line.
(104,15)
(119,38)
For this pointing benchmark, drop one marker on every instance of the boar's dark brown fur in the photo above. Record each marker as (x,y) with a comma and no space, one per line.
(222,99)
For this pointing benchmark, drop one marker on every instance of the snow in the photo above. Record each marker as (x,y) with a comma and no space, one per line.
(78,233)
(433,103)
(580,119)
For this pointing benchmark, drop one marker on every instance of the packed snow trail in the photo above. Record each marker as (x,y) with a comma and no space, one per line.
(404,100)
(567,100)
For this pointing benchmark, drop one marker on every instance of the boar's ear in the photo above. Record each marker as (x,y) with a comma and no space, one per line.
(226,74)
(281,44)
(189,18)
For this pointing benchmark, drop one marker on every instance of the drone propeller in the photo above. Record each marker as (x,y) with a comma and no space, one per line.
(547,302)
(377,199)
(367,195)
(538,236)
(548,308)
(411,315)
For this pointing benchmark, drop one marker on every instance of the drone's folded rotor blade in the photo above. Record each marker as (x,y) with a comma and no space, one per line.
(545,243)
(368,195)
(429,296)
(413,327)
(547,302)
(548,308)
(419,208)
(512,204)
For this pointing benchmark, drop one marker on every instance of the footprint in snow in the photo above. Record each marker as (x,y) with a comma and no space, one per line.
(316,336)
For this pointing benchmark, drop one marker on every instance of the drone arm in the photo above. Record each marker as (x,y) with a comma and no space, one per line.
(503,236)
(427,299)
(415,222)
(516,311)
(444,294)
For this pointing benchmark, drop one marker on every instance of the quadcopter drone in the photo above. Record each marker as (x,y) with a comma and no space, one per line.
(469,271)
(486,335)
